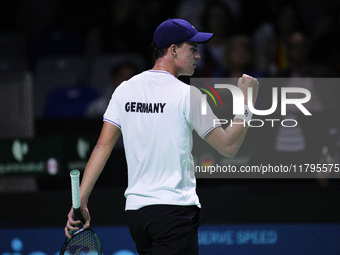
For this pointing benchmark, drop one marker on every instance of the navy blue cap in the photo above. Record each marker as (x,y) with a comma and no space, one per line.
(174,31)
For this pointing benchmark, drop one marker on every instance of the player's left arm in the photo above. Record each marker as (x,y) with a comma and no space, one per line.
(100,154)
(228,141)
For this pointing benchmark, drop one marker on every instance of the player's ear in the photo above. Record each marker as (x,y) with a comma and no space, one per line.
(173,50)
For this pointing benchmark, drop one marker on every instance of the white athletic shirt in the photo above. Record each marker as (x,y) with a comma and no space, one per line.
(152,109)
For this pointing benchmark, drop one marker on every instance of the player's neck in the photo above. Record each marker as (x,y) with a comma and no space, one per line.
(163,64)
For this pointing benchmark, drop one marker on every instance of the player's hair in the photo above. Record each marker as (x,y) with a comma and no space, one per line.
(162,52)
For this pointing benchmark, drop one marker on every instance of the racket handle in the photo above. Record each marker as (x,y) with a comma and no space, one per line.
(74,174)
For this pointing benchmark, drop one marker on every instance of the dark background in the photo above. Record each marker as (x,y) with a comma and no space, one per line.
(224,200)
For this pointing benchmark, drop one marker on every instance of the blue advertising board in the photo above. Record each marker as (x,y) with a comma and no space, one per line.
(278,239)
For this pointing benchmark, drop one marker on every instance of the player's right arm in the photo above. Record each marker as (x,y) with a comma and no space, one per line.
(228,141)
(100,154)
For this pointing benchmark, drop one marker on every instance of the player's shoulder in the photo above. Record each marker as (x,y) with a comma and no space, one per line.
(126,84)
(134,78)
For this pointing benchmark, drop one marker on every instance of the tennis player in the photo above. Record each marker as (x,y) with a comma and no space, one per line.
(156,114)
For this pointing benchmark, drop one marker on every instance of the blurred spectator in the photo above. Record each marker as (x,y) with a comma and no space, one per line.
(301,65)
(271,38)
(289,141)
(185,10)
(119,73)
(303,73)
(299,59)
(239,59)
(219,20)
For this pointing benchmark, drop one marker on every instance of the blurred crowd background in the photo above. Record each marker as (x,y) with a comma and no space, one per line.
(62,59)
(75,44)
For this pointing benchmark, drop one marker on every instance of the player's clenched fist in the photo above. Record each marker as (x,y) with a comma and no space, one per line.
(244,83)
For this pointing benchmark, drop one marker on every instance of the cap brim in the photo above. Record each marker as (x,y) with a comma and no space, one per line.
(200,37)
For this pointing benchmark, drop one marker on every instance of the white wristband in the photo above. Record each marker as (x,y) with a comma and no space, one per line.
(246,116)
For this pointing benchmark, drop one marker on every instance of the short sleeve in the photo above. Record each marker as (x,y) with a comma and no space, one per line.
(112,111)
(202,123)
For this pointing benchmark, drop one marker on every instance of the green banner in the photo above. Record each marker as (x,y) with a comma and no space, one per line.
(45,156)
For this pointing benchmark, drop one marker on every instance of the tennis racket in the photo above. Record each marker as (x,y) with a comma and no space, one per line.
(83,241)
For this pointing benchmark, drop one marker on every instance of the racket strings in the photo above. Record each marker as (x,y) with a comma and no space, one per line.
(83,243)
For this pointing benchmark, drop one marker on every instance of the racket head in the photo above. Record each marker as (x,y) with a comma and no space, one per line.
(83,241)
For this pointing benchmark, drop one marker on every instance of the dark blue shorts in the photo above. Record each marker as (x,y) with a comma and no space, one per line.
(165,229)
